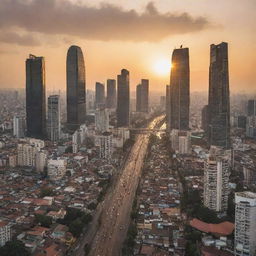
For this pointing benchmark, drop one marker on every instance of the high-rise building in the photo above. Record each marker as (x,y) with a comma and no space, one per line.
(123,99)
(18,126)
(245,224)
(251,108)
(216,179)
(204,120)
(76,96)
(102,120)
(5,232)
(162,102)
(218,102)
(251,127)
(142,96)
(35,97)
(105,143)
(111,94)
(179,90)
(180,141)
(99,95)
(53,118)
(168,107)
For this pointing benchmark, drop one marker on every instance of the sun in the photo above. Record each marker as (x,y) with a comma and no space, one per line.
(162,67)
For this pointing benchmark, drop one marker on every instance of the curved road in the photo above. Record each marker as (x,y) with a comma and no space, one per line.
(114,212)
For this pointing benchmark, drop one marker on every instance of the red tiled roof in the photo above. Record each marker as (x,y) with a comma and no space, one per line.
(224,228)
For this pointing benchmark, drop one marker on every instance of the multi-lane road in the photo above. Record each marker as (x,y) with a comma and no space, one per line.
(115,216)
(115,211)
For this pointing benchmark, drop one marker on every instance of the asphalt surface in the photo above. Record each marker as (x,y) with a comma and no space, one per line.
(108,230)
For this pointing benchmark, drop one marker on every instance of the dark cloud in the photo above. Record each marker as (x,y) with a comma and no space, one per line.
(108,22)
(21,39)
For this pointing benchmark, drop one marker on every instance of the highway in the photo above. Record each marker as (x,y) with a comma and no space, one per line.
(117,206)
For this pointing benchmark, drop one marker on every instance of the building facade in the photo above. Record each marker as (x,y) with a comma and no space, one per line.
(180,90)
(76,96)
(245,224)
(5,233)
(168,107)
(18,127)
(99,95)
(111,94)
(218,102)
(142,96)
(216,181)
(251,108)
(105,143)
(123,99)
(56,168)
(102,120)
(35,97)
(53,118)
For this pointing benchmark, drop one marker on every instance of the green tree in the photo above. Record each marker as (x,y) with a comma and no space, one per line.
(76,227)
(46,191)
(14,248)
(45,221)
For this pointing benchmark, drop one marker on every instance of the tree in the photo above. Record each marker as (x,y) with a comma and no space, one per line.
(46,191)
(14,248)
(76,227)
(92,206)
(45,221)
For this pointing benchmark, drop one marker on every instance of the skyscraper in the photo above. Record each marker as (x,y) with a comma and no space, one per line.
(76,96)
(216,179)
(204,120)
(123,99)
(111,94)
(142,96)
(99,94)
(245,224)
(53,118)
(168,107)
(18,126)
(218,102)
(35,97)
(179,91)
(251,108)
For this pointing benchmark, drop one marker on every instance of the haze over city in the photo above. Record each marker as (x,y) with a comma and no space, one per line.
(127,128)
(136,35)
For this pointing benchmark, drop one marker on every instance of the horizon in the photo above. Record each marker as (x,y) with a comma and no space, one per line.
(138,46)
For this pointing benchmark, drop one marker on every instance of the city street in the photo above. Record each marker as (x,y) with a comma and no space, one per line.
(116,209)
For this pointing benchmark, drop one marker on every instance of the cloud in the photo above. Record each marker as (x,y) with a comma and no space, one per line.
(107,22)
(21,39)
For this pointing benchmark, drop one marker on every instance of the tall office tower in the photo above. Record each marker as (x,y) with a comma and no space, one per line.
(216,179)
(138,98)
(142,96)
(218,102)
(53,120)
(18,126)
(102,120)
(245,224)
(35,97)
(204,120)
(251,108)
(111,94)
(99,95)
(123,99)
(76,96)
(180,82)
(168,107)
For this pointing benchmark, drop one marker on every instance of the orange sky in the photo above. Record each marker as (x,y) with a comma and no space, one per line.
(113,37)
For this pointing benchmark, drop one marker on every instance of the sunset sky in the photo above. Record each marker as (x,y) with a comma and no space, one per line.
(131,34)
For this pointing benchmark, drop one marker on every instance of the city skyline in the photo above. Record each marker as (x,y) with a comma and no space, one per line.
(137,54)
